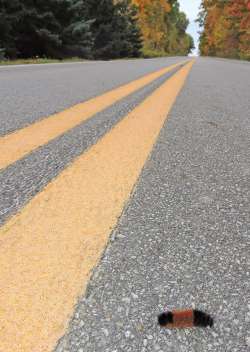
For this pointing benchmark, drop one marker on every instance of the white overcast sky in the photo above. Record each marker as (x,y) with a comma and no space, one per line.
(191,8)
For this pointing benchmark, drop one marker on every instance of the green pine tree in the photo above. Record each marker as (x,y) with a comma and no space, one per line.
(115,28)
(48,28)
(130,38)
(98,29)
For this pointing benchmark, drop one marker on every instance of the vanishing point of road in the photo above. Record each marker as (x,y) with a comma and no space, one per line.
(124,191)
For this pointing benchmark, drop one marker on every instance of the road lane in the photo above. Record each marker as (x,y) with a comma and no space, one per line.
(28,94)
(183,239)
(58,237)
(16,145)
(25,178)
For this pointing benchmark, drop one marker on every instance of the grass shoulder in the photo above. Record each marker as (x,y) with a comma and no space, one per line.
(37,61)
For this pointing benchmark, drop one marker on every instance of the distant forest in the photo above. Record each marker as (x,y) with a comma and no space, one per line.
(92,29)
(163,27)
(225,28)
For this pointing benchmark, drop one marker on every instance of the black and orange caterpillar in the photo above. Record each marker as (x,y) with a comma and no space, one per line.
(185,319)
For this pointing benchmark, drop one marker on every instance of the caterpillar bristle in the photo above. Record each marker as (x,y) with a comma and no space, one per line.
(185,319)
(165,318)
(202,319)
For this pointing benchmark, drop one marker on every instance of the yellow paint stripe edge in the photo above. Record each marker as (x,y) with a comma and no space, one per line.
(48,250)
(18,144)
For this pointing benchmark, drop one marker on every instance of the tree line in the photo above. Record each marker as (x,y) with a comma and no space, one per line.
(164,27)
(225,28)
(92,29)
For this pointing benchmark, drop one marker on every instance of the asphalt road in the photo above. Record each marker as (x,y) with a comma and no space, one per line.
(182,239)
(29,93)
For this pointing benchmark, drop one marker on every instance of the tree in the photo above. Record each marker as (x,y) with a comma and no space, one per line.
(114,28)
(152,22)
(164,27)
(225,28)
(130,36)
(100,29)
(42,28)
(77,38)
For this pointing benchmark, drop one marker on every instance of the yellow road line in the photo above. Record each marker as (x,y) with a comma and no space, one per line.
(16,145)
(48,250)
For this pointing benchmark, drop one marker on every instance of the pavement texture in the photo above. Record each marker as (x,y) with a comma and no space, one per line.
(183,239)
(28,94)
(24,179)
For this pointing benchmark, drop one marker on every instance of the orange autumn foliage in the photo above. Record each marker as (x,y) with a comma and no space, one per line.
(163,27)
(226,28)
(151,20)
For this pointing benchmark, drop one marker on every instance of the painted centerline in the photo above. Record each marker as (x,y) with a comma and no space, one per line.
(18,144)
(48,250)
(25,178)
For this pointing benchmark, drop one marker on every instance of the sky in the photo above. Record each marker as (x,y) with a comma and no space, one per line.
(191,8)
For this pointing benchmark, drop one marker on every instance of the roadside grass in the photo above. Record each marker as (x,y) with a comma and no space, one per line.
(37,61)
(146,54)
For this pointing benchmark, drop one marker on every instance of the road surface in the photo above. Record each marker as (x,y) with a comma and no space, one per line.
(124,191)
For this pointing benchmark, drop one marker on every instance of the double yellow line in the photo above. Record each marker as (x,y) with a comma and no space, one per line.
(48,250)
(18,144)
